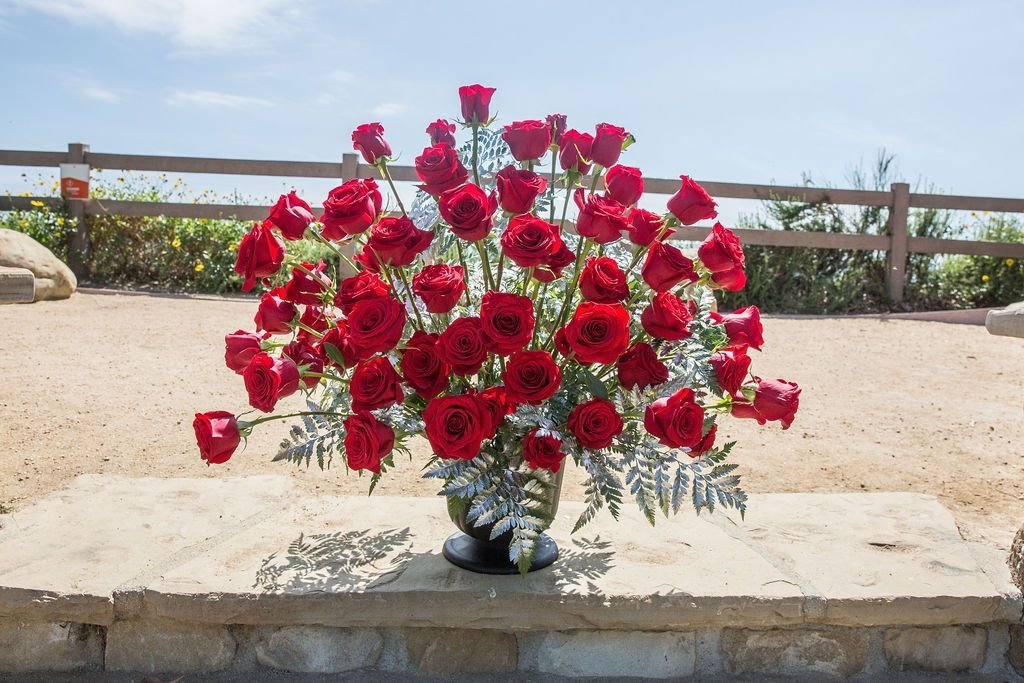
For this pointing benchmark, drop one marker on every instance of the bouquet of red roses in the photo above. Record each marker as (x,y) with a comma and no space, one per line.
(509,333)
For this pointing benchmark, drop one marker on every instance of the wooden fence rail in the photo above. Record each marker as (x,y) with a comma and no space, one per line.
(899,200)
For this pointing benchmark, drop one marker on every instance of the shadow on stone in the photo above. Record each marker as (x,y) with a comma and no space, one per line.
(579,567)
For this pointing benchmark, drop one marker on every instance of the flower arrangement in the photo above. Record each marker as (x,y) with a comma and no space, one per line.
(511,335)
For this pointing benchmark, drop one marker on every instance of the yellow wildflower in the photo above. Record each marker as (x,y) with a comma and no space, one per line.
(176,243)
(60,220)
(985,278)
(1010,261)
(200,266)
(233,247)
(37,203)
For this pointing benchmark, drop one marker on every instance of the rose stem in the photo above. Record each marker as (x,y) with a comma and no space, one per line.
(465,270)
(387,176)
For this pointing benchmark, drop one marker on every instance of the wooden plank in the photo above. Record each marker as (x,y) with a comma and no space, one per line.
(965,203)
(140,162)
(25,203)
(791,238)
(784,192)
(896,275)
(18,157)
(934,245)
(101,207)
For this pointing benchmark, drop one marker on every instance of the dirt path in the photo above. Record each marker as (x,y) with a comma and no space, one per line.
(102,383)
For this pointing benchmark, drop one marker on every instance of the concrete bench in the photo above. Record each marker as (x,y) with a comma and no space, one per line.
(17,286)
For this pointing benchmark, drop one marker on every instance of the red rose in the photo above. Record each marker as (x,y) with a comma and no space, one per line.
(527,140)
(595,424)
(275,313)
(217,435)
(351,208)
(268,379)
(291,215)
(499,403)
(462,346)
(607,146)
(375,385)
(239,348)
(731,367)
(518,189)
(364,285)
(529,241)
(440,169)
(396,241)
(468,210)
(557,123)
(531,377)
(375,326)
(315,318)
(260,254)
(338,337)
(305,289)
(574,151)
(368,260)
(730,280)
(598,333)
(691,203)
(640,367)
(308,360)
(774,400)
(441,133)
(456,426)
(552,270)
(743,326)
(476,102)
(644,227)
(368,140)
(367,442)
(542,451)
(603,282)
(600,218)
(507,322)
(440,286)
(721,250)
(677,422)
(422,367)
(666,317)
(665,267)
(624,184)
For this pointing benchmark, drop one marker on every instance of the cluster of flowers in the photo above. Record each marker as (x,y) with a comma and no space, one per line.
(551,311)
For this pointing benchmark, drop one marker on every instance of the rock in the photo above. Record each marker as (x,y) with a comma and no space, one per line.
(320,649)
(1008,322)
(1017,560)
(44,646)
(946,649)
(163,646)
(838,652)
(452,650)
(54,280)
(610,654)
(1016,654)
(17,285)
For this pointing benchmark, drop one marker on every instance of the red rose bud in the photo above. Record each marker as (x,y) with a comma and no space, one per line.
(368,140)
(607,146)
(691,203)
(476,103)
(603,282)
(600,218)
(456,426)
(396,240)
(375,326)
(268,379)
(422,367)
(518,189)
(375,385)
(315,318)
(350,209)
(500,404)
(557,123)
(552,270)
(468,210)
(368,260)
(743,327)
(365,285)
(307,358)
(217,435)
(439,286)
(666,317)
(440,169)
(339,339)
(574,151)
(721,250)
(677,422)
(291,215)
(462,346)
(665,267)
(598,333)
(730,280)
(624,184)
(595,424)
(640,367)
(507,322)
(542,451)
(775,400)
(367,442)
(239,348)
(275,313)
(305,289)
(731,367)
(527,140)
(529,241)
(260,255)
(531,377)
(644,227)
(441,133)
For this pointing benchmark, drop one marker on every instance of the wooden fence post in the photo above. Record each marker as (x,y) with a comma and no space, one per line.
(78,241)
(349,166)
(897,259)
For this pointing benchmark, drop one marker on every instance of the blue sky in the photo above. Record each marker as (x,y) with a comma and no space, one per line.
(730,91)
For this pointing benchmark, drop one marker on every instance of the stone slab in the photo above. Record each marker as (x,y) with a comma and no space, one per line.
(943,649)
(154,647)
(319,649)
(1008,322)
(606,654)
(832,653)
(41,646)
(17,285)
(64,557)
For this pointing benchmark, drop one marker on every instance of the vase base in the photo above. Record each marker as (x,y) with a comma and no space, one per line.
(481,557)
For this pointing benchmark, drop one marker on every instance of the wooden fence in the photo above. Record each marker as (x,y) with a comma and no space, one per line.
(899,200)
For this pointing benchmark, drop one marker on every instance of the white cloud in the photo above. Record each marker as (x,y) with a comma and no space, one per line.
(212,98)
(96,92)
(388,109)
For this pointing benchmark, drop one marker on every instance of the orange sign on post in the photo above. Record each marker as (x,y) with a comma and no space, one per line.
(74,181)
